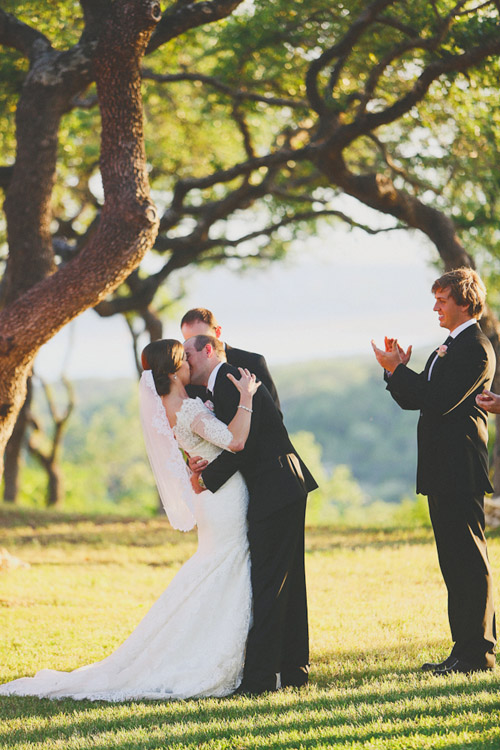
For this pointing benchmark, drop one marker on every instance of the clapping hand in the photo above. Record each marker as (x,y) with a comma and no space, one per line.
(393,355)
(391,343)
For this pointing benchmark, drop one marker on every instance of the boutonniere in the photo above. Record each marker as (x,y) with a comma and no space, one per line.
(442,350)
(210,406)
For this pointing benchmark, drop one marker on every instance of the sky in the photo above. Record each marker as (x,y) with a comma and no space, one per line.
(328,299)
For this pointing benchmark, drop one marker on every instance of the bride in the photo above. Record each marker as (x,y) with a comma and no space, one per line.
(191,643)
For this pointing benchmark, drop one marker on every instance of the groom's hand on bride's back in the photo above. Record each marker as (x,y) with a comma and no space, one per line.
(195,484)
(196,463)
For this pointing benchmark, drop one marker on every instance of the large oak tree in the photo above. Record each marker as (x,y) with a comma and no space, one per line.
(38,297)
(275,113)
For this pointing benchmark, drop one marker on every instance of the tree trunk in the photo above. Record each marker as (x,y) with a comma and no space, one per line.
(129,221)
(55,490)
(50,459)
(13,450)
(31,257)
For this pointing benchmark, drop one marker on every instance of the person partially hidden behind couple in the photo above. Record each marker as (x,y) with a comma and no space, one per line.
(234,618)
(200,321)
(453,460)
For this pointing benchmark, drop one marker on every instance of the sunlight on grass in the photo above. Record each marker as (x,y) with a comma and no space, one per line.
(377,610)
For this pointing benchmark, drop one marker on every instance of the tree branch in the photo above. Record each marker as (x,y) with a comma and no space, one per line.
(239,94)
(380,193)
(295,219)
(452,64)
(240,121)
(19,35)
(478,7)
(273,159)
(396,169)
(5,176)
(181,17)
(94,13)
(340,50)
(395,23)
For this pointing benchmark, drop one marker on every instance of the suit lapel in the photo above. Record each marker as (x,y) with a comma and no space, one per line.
(471,331)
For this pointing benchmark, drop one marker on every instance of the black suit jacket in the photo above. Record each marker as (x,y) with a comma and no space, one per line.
(452,429)
(253,362)
(274,473)
(256,364)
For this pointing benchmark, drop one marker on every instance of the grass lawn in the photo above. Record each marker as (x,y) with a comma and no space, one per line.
(377,611)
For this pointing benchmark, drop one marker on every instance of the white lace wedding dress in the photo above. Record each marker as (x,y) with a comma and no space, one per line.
(192,641)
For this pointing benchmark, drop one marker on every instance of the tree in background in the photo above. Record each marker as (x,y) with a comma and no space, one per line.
(38,297)
(47,448)
(255,131)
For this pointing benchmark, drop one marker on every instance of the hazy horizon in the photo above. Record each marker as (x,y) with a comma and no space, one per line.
(326,300)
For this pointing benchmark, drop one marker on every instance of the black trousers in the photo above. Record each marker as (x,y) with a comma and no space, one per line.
(278,640)
(458,524)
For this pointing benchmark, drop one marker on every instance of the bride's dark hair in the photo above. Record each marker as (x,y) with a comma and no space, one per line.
(163,358)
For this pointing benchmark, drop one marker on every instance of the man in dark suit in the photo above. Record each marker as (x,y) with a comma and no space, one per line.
(453,460)
(200,321)
(278,483)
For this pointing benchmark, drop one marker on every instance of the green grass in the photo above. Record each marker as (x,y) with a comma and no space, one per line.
(377,610)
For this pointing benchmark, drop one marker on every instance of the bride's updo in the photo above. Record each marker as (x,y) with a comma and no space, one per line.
(163,358)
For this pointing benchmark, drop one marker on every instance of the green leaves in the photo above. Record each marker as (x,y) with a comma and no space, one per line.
(235,92)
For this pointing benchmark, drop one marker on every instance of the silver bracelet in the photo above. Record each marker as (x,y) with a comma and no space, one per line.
(245,408)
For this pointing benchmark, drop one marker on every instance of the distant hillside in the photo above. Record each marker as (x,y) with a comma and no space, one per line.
(342,402)
(345,404)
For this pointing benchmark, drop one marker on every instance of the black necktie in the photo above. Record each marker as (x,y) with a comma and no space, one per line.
(439,353)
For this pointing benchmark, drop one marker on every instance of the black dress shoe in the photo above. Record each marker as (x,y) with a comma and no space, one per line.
(458,666)
(430,666)
(297,677)
(246,688)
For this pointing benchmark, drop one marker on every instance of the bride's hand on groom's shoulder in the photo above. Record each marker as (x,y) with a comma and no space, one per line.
(247,384)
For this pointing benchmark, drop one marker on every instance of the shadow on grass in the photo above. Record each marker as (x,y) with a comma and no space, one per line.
(51,528)
(358,699)
(18,517)
(360,717)
(329,538)
(21,525)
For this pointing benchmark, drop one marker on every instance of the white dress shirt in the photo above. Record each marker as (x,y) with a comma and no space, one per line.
(453,335)
(213,375)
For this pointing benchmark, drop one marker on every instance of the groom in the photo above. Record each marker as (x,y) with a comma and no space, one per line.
(278,483)
(200,321)
(453,460)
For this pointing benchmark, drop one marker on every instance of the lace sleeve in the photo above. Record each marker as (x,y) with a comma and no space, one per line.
(206,425)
